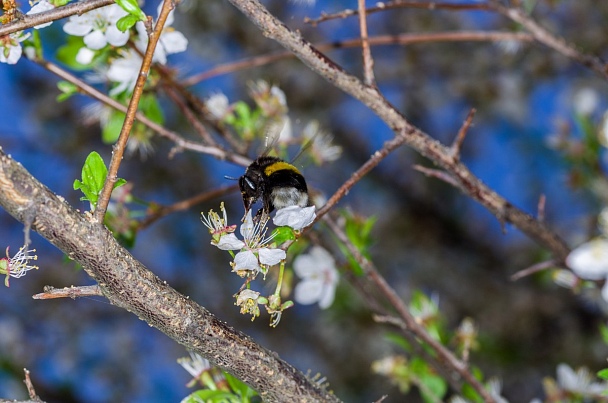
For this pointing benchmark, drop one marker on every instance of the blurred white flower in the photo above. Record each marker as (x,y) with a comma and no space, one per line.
(98,27)
(322,149)
(195,364)
(295,217)
(586,101)
(319,278)
(10,47)
(170,42)
(124,71)
(218,105)
(85,55)
(590,261)
(580,381)
(41,6)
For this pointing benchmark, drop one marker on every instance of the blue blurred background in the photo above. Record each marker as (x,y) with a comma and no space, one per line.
(429,236)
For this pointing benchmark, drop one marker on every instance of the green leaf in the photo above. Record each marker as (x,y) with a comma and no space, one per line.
(603,374)
(126,22)
(67,90)
(214,396)
(94,174)
(131,7)
(67,53)
(240,387)
(150,107)
(283,234)
(112,127)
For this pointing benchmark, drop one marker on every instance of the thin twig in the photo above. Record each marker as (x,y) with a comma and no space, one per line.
(535,268)
(161,211)
(31,391)
(436,173)
(368,61)
(187,112)
(121,144)
(545,37)
(443,354)
(540,215)
(415,138)
(179,141)
(370,164)
(29,21)
(69,292)
(401,39)
(431,5)
(457,144)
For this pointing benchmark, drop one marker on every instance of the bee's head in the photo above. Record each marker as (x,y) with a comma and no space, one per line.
(250,189)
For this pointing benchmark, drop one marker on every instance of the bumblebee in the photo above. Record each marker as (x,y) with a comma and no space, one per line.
(278,183)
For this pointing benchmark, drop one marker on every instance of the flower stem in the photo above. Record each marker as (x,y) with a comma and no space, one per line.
(277,292)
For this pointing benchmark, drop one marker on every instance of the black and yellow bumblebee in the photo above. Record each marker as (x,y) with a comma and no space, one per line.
(278,183)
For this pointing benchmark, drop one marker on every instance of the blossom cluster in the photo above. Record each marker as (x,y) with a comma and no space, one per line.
(257,252)
(99,30)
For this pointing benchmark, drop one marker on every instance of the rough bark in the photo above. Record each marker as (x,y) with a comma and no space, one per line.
(130,285)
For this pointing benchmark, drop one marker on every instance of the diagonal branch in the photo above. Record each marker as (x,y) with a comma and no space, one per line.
(121,144)
(29,21)
(130,285)
(415,138)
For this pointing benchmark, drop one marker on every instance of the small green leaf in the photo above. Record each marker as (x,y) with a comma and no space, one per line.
(131,7)
(603,374)
(67,53)
(214,396)
(67,90)
(126,22)
(283,234)
(149,106)
(112,127)
(240,387)
(94,173)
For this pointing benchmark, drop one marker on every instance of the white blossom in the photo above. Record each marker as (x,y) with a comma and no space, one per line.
(98,27)
(295,217)
(319,278)
(590,260)
(41,6)
(10,47)
(170,42)
(18,265)
(217,105)
(124,71)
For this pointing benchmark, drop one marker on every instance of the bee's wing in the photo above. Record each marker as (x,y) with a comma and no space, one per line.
(273,130)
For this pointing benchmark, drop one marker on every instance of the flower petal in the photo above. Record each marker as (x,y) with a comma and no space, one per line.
(78,25)
(295,217)
(173,42)
(246,260)
(85,55)
(116,37)
(590,260)
(230,242)
(271,257)
(95,40)
(308,291)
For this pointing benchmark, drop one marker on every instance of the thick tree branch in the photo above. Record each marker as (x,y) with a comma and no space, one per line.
(415,138)
(128,284)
